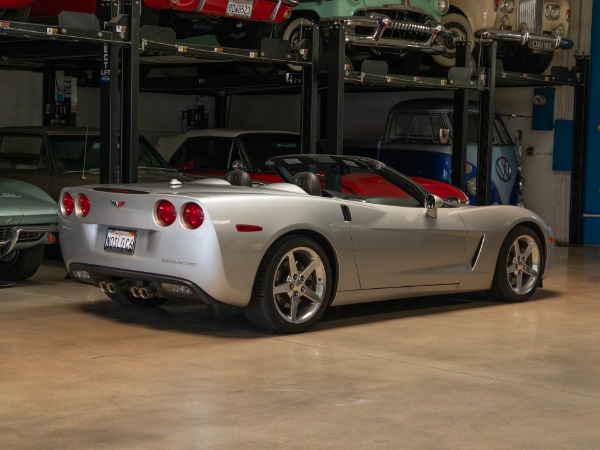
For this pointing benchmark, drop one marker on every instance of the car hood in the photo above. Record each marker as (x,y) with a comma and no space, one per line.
(23,204)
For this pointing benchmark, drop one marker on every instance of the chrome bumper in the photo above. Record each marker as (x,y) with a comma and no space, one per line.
(379,23)
(536,41)
(7,246)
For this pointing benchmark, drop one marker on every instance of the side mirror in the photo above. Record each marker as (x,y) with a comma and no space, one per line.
(432,204)
(519,137)
(444,135)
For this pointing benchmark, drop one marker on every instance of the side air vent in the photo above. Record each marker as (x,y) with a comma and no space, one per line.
(477,253)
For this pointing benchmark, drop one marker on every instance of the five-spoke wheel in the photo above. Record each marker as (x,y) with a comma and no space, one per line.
(292,287)
(519,267)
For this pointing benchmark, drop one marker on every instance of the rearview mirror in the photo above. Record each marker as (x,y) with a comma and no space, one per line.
(444,135)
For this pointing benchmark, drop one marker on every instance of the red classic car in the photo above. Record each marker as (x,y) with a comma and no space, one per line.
(214,152)
(235,23)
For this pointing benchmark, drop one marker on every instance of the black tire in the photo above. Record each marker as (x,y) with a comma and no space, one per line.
(21,264)
(296,28)
(126,298)
(308,283)
(525,61)
(149,16)
(16,15)
(519,267)
(249,35)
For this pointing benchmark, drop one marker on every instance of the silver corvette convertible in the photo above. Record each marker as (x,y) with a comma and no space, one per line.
(339,230)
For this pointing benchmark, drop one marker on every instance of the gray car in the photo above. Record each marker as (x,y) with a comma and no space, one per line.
(54,157)
(283,252)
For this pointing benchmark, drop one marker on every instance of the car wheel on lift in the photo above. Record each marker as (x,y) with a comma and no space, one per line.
(460,28)
(249,34)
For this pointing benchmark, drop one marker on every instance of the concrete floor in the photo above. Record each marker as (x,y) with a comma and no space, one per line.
(78,371)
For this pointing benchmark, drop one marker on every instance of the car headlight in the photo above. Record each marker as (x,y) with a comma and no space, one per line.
(443,6)
(505,22)
(509,6)
(472,186)
(552,12)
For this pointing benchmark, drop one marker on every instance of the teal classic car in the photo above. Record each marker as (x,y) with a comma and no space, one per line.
(395,31)
(28,217)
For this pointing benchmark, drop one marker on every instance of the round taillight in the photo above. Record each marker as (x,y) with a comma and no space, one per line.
(193,215)
(84,205)
(68,204)
(166,213)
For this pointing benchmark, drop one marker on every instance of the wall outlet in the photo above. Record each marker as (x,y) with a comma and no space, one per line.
(529,151)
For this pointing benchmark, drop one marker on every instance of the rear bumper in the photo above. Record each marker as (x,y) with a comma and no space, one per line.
(369,31)
(536,41)
(129,278)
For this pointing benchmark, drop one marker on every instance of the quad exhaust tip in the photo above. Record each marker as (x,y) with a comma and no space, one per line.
(112,287)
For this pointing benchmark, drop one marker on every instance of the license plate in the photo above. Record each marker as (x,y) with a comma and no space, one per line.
(538,44)
(239,8)
(120,241)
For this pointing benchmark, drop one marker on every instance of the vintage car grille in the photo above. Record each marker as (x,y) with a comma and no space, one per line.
(416,30)
(531,12)
(24,237)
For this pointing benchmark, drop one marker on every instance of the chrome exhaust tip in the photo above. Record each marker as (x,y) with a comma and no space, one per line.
(103,286)
(135,291)
(146,292)
(113,287)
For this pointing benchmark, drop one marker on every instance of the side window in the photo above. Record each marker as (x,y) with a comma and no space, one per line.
(399,126)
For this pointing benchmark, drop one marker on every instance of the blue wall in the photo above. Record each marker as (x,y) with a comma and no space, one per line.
(591,205)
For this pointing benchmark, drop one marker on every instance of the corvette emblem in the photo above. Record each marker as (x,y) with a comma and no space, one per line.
(503,168)
(117,204)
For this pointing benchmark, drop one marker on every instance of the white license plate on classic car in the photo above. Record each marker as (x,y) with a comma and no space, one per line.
(120,241)
(538,44)
(239,8)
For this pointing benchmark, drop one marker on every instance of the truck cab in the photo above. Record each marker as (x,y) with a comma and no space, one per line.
(418,142)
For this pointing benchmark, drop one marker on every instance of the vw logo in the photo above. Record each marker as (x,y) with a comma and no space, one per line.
(503,168)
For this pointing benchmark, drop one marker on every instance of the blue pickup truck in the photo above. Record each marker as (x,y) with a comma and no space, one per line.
(418,142)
